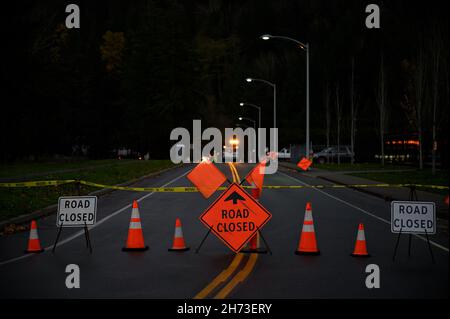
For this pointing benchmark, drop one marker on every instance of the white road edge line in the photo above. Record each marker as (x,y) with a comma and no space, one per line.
(104,219)
(362,210)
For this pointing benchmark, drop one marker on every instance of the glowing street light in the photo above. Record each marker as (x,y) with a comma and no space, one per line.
(305,47)
(248,119)
(255,106)
(274,97)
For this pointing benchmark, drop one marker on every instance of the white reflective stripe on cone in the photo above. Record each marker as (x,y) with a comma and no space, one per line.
(135,225)
(361,235)
(135,213)
(308,228)
(34,234)
(308,216)
(178,232)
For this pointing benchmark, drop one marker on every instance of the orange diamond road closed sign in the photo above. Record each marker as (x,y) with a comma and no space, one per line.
(304,164)
(235,217)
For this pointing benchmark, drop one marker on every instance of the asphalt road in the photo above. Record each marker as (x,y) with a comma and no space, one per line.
(216,272)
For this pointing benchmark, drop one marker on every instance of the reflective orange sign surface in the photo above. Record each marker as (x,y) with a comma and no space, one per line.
(235,217)
(304,163)
(207,178)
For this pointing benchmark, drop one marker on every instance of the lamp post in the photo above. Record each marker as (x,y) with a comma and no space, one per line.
(305,47)
(274,97)
(248,119)
(255,106)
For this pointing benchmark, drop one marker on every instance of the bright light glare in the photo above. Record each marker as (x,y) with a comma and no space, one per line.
(240,119)
(265,37)
(234,142)
(248,79)
(241,104)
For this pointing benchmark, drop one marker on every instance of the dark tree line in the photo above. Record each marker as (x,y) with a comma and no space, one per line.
(135,70)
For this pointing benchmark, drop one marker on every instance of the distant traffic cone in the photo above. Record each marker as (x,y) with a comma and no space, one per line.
(34,246)
(255,192)
(360,245)
(307,244)
(135,241)
(178,239)
(254,245)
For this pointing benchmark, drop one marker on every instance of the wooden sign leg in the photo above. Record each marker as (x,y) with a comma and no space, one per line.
(429,246)
(396,245)
(409,245)
(88,239)
(57,238)
(203,240)
(265,242)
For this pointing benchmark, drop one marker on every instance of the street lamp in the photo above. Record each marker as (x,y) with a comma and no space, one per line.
(248,119)
(274,97)
(305,47)
(255,106)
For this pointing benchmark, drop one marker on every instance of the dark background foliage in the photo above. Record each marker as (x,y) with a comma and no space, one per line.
(137,69)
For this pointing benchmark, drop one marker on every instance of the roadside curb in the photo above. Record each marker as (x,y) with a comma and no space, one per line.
(441,213)
(362,190)
(46,211)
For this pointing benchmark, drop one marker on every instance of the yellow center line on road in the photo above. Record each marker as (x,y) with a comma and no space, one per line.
(244,273)
(240,276)
(238,178)
(225,274)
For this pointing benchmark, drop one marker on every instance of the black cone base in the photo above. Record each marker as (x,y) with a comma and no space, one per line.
(135,249)
(34,251)
(310,253)
(355,255)
(179,249)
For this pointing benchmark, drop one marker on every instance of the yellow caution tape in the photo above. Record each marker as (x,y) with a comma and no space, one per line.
(144,189)
(352,186)
(181,189)
(37,183)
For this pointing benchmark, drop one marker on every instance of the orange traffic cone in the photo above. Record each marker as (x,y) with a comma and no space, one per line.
(135,241)
(34,246)
(178,239)
(308,244)
(256,192)
(360,245)
(253,245)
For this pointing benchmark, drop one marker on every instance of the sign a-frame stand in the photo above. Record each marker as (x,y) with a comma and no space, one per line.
(86,236)
(412,197)
(243,251)
(258,232)
(76,211)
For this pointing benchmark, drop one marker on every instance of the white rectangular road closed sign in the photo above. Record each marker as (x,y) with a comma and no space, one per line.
(76,211)
(413,217)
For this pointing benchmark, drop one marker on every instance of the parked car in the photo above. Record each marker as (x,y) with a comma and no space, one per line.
(284,153)
(331,154)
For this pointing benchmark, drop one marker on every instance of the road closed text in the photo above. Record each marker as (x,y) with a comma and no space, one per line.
(77,211)
(413,217)
(235,220)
